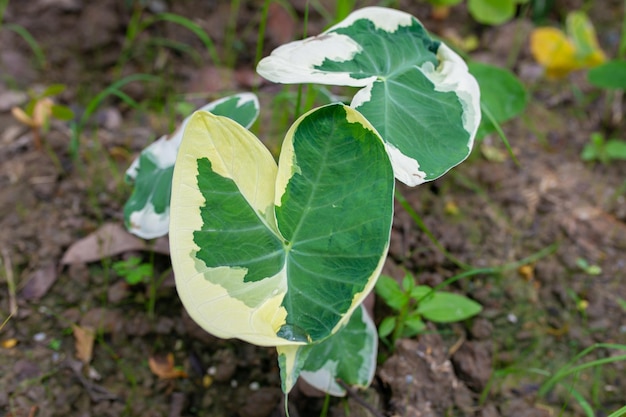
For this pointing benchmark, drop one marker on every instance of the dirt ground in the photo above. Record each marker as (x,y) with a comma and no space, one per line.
(487,212)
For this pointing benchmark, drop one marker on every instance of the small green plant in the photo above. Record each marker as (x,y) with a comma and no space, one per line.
(587,267)
(133,270)
(415,303)
(603,150)
(39,111)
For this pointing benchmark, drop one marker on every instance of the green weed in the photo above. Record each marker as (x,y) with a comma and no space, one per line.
(416,303)
(135,271)
(603,150)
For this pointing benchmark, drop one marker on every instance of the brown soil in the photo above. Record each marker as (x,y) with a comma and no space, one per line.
(487,212)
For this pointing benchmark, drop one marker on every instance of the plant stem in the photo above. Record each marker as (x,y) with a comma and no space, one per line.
(298,110)
(231,29)
(261,35)
(500,132)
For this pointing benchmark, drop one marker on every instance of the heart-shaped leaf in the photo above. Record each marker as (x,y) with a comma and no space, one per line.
(279,256)
(146,212)
(502,95)
(416,91)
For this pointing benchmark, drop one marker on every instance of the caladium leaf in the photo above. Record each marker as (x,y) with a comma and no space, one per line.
(350,356)
(416,91)
(279,256)
(146,212)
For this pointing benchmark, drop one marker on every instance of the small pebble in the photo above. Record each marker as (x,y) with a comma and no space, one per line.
(512,318)
(39,337)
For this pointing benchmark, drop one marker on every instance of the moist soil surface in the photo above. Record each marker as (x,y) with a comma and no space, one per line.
(82,341)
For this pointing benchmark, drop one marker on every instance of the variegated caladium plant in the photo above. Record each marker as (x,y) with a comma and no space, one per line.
(283,254)
(416,91)
(146,212)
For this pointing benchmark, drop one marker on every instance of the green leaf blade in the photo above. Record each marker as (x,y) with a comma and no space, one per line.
(611,75)
(232,234)
(502,95)
(336,223)
(445,307)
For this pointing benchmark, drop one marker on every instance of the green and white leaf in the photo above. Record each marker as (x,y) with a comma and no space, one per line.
(416,91)
(279,256)
(349,355)
(146,212)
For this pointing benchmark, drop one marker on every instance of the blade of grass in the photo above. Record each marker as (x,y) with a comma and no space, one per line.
(495,269)
(181,47)
(584,404)
(3,6)
(343,9)
(305,30)
(261,35)
(619,413)
(92,106)
(112,89)
(40,57)
(188,24)
(231,30)
(569,369)
(622,41)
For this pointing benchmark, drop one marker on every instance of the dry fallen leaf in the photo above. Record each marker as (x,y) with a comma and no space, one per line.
(109,240)
(84,337)
(163,367)
(39,283)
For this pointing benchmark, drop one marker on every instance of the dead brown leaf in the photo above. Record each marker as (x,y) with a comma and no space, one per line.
(109,240)
(39,283)
(84,337)
(164,368)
